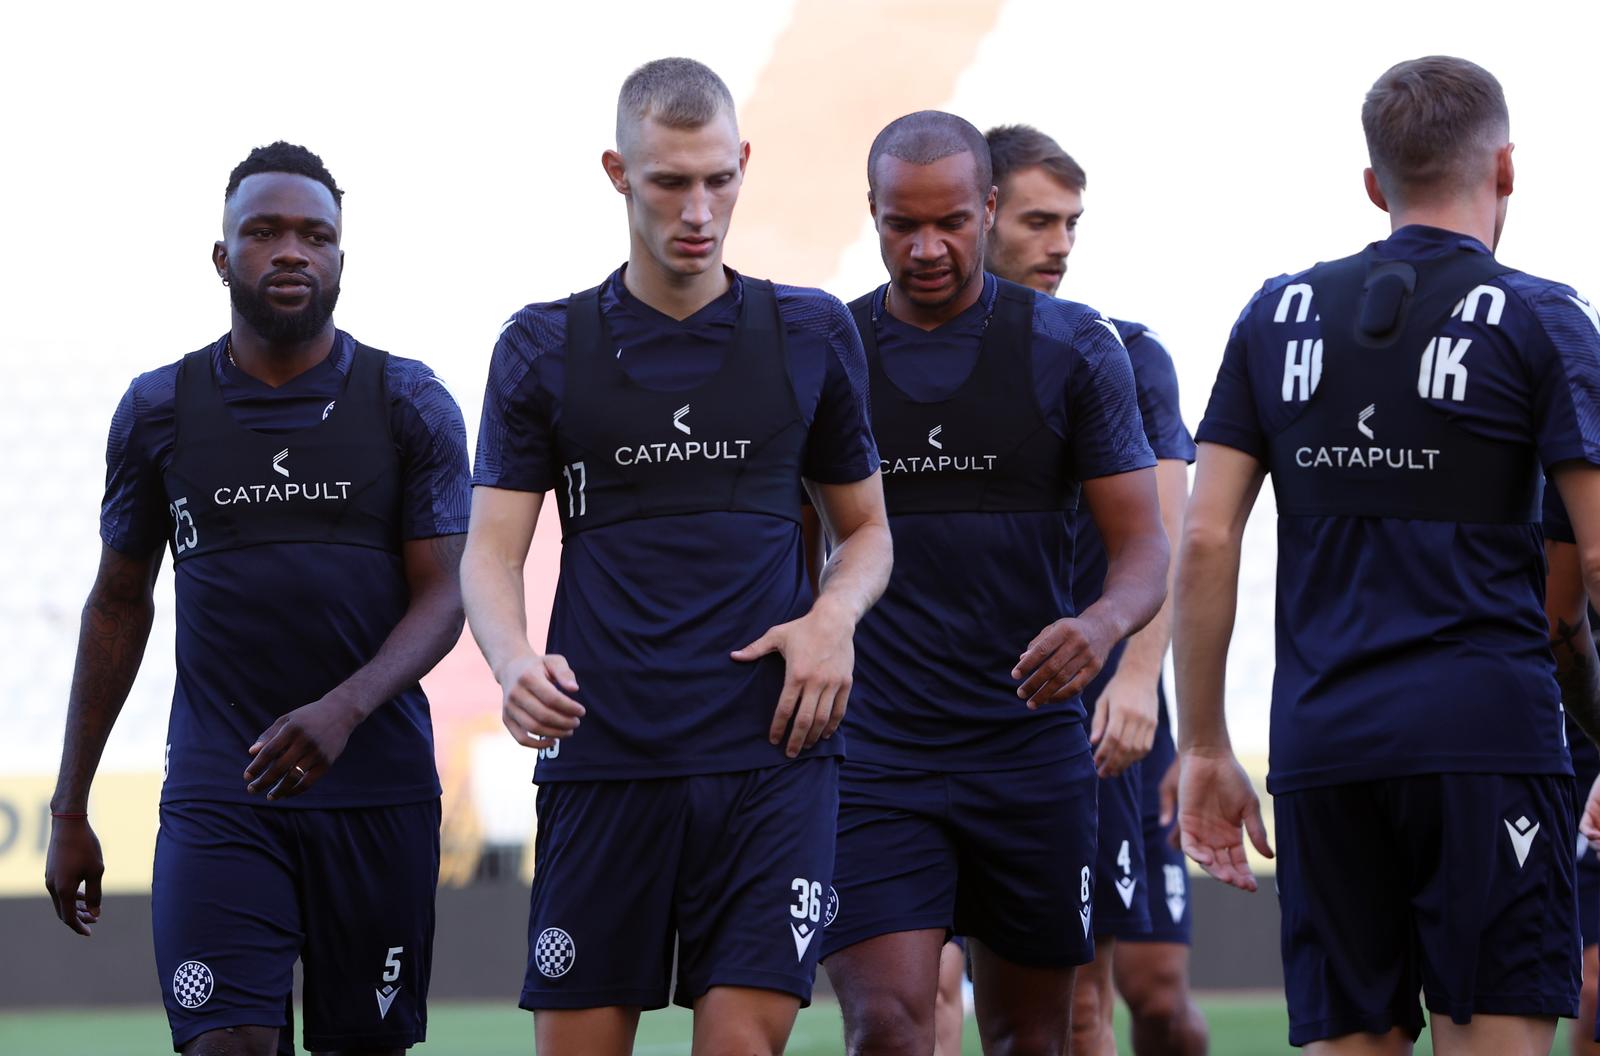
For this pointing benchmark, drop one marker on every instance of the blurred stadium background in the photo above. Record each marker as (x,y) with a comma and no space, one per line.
(1222,143)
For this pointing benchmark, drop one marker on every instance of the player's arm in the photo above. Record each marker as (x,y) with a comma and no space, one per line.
(1124,722)
(535,707)
(295,752)
(111,640)
(1573,580)
(1216,798)
(819,648)
(1066,656)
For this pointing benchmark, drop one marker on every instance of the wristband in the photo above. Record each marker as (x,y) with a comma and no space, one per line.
(69,815)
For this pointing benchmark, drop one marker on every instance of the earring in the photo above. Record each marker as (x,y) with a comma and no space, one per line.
(224,280)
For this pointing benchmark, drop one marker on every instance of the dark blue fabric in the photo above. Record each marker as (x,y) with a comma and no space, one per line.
(1402,643)
(239,893)
(933,658)
(1166,867)
(647,611)
(1003,857)
(254,620)
(1121,894)
(1387,888)
(1585,755)
(731,870)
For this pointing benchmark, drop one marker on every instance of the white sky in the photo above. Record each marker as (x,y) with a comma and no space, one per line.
(1222,143)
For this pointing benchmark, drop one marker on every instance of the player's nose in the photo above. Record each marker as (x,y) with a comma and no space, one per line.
(697,207)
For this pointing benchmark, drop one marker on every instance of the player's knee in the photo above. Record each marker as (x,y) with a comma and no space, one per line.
(1027,1039)
(1157,1001)
(888,1024)
(235,1041)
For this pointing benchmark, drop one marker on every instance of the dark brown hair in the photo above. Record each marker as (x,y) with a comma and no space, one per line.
(1013,148)
(1429,120)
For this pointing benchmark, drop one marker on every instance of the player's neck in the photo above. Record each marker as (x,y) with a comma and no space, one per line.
(1463,216)
(671,293)
(931,317)
(275,363)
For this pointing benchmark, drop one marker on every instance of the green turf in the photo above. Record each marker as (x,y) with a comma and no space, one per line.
(1240,1026)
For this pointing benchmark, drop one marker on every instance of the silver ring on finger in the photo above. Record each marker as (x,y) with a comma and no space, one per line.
(300,771)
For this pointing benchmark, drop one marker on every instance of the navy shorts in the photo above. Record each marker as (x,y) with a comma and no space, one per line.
(240,893)
(1002,856)
(1121,887)
(732,868)
(1461,886)
(1166,871)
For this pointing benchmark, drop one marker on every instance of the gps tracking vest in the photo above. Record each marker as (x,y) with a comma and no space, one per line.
(985,447)
(733,443)
(1377,436)
(336,482)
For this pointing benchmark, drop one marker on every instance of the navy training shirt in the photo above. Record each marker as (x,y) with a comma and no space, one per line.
(647,610)
(1585,755)
(1157,382)
(265,629)
(1409,646)
(933,686)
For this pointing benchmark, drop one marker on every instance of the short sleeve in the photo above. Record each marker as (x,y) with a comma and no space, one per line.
(1564,359)
(433,443)
(840,448)
(1157,382)
(1557,525)
(516,435)
(1103,404)
(133,510)
(1231,417)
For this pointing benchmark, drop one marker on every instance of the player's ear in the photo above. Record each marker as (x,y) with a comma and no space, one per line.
(989,206)
(744,156)
(1374,191)
(219,260)
(872,206)
(1505,174)
(616,169)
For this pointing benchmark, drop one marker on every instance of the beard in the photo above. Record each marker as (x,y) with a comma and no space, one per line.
(275,326)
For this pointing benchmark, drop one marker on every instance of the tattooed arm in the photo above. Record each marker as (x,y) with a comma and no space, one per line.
(294,752)
(1567,612)
(111,640)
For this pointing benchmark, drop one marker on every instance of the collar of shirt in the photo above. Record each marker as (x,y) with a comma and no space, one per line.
(1421,240)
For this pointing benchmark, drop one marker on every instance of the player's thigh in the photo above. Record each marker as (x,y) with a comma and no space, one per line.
(1394,1043)
(1020,1008)
(236,1041)
(601,913)
(1489,1035)
(888,988)
(1121,889)
(743,1021)
(1092,992)
(754,880)
(1152,977)
(585,1031)
(1026,844)
(226,919)
(1344,899)
(1496,902)
(369,879)
(895,865)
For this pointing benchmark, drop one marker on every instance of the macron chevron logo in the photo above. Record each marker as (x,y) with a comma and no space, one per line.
(1125,886)
(1083,915)
(677,419)
(802,940)
(1587,309)
(1522,834)
(1361,420)
(277,462)
(386,998)
(933,435)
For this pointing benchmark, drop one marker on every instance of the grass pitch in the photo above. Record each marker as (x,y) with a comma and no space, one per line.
(1252,1025)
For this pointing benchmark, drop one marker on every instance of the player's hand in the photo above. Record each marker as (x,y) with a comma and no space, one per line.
(533,699)
(819,658)
(294,752)
(1061,660)
(1216,802)
(1589,820)
(72,871)
(1124,723)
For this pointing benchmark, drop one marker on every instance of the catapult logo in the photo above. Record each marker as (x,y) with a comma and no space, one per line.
(683,450)
(261,494)
(940,463)
(1370,456)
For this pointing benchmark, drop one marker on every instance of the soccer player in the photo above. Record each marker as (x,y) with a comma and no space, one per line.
(314,494)
(1403,400)
(685,708)
(968,800)
(1039,203)
(1572,625)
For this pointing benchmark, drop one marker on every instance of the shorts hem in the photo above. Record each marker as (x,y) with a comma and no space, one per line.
(247,1017)
(404,1039)
(1155,936)
(687,994)
(857,935)
(1305,1033)
(1564,1006)
(555,1000)
(1125,928)
(1033,957)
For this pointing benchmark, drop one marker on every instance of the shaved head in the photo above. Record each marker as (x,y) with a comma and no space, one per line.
(677,93)
(928,136)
